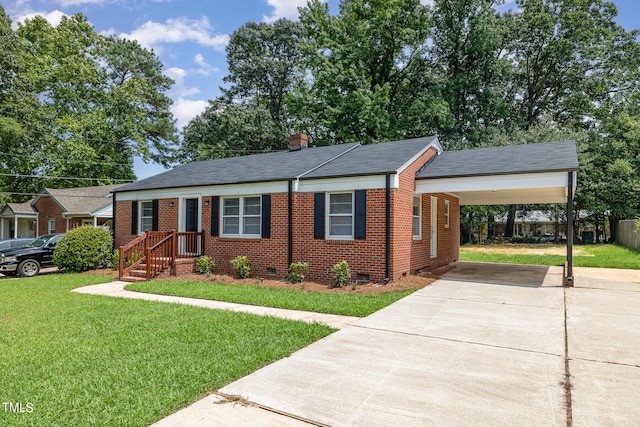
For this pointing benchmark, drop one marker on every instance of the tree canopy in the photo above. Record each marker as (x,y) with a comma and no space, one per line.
(84,107)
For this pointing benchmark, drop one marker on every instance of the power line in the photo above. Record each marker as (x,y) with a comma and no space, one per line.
(18,175)
(13,193)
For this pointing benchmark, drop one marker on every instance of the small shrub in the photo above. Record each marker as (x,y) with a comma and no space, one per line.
(205,265)
(242,266)
(296,272)
(84,248)
(340,274)
(115,259)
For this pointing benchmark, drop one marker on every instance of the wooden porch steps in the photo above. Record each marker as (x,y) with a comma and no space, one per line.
(133,279)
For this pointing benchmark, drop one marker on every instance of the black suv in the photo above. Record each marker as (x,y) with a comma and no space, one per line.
(27,260)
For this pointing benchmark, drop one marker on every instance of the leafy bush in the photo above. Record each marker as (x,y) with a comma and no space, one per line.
(84,248)
(205,265)
(115,259)
(340,274)
(242,266)
(296,271)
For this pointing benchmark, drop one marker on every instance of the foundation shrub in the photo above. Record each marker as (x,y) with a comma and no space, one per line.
(205,265)
(242,266)
(296,271)
(340,274)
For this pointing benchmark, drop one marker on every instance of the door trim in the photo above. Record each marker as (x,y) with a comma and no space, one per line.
(182,226)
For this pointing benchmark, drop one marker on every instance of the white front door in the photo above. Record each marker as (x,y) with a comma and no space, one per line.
(433,235)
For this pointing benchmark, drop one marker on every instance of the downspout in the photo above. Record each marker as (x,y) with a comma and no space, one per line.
(113,223)
(569,278)
(290,223)
(387,249)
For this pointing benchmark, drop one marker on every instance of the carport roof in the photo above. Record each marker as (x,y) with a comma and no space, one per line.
(530,173)
(513,159)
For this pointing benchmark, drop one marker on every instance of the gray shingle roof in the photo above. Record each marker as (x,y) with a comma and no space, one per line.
(379,158)
(275,166)
(346,159)
(83,199)
(22,208)
(513,159)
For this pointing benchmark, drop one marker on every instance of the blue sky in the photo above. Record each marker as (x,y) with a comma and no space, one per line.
(190,37)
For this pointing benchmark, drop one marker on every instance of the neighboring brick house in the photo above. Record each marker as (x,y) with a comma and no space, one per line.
(58,210)
(352,202)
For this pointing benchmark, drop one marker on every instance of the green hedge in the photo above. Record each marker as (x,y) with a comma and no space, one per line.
(84,248)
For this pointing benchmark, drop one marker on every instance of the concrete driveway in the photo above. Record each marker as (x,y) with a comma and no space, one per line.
(485,345)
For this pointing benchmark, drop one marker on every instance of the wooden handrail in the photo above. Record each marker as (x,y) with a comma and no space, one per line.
(158,251)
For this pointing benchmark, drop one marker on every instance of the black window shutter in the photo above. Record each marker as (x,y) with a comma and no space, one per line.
(318,215)
(215,216)
(266,216)
(134,217)
(361,214)
(154,215)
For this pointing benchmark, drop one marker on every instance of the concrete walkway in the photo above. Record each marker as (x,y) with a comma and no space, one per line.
(116,289)
(488,344)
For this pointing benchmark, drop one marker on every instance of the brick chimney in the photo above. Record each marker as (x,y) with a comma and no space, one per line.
(299,141)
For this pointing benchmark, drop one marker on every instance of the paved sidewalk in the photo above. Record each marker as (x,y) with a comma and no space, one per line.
(116,289)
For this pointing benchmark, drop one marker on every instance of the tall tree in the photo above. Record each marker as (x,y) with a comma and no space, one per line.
(469,57)
(97,102)
(264,65)
(369,80)
(252,115)
(563,54)
(229,130)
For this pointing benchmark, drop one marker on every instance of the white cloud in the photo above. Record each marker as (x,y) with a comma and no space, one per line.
(54,17)
(177,74)
(67,3)
(151,34)
(205,68)
(179,90)
(186,109)
(283,9)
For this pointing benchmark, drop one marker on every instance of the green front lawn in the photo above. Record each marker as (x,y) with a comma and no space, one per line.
(319,302)
(81,360)
(606,256)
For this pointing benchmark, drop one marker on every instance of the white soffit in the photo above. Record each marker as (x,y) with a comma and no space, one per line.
(546,187)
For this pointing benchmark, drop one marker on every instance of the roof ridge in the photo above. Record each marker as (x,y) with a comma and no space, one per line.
(328,161)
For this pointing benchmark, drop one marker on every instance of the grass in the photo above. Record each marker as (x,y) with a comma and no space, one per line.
(603,255)
(319,302)
(84,360)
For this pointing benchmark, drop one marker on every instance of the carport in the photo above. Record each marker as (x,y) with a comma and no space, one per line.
(507,175)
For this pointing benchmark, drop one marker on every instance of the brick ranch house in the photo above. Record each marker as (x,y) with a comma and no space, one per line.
(380,207)
(57,211)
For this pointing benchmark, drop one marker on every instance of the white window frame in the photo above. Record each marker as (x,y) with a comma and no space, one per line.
(141,216)
(329,216)
(241,217)
(418,235)
(447,214)
(51,226)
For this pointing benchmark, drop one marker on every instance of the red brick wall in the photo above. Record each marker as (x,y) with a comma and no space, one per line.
(402,244)
(48,208)
(448,238)
(167,219)
(263,253)
(364,256)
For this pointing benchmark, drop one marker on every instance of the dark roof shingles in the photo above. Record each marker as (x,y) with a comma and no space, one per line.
(513,159)
(264,167)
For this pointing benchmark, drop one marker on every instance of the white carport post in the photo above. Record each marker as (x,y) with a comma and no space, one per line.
(15,226)
(569,272)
